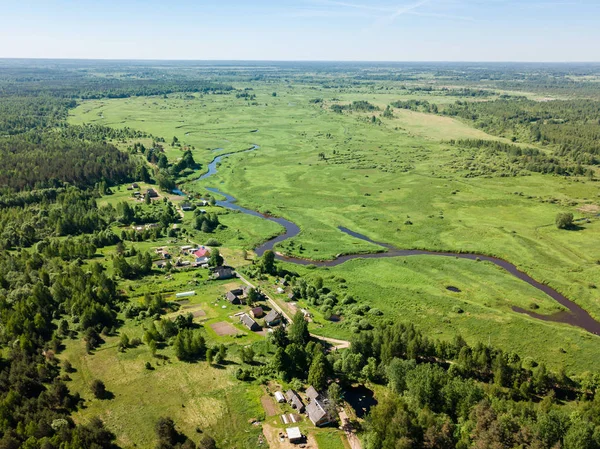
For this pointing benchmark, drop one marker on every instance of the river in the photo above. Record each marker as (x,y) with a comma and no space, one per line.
(575,316)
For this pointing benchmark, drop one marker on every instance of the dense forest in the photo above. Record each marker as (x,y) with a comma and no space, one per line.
(572,126)
(43,160)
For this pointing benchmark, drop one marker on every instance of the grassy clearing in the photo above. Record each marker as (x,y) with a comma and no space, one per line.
(194,395)
(395,182)
(330,439)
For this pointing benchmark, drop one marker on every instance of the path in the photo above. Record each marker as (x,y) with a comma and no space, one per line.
(349,430)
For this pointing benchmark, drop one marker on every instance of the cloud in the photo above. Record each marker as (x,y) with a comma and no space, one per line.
(383,15)
(407,9)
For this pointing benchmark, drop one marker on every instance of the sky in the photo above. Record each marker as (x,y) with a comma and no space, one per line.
(331,30)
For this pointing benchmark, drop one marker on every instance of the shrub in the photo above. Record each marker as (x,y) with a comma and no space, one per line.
(564,220)
(207,442)
(348,300)
(98,389)
(67,366)
(364,325)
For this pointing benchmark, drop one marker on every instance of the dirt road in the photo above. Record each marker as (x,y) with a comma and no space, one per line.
(347,427)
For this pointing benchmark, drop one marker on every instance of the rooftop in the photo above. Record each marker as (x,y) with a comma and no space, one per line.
(293,433)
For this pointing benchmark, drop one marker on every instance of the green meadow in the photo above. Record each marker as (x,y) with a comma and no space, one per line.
(200,398)
(398,181)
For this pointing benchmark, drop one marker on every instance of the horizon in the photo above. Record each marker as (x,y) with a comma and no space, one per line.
(356,61)
(305,30)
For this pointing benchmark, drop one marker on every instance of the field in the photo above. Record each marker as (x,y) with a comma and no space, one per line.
(396,182)
(195,395)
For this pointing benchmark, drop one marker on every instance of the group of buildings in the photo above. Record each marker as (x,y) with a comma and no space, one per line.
(239,296)
(315,409)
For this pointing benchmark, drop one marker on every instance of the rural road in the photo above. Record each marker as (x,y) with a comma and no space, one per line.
(347,427)
(337,344)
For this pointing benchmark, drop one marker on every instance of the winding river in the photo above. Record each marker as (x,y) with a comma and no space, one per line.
(574,315)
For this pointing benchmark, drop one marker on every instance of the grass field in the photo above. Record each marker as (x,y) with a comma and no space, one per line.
(415,290)
(395,182)
(194,395)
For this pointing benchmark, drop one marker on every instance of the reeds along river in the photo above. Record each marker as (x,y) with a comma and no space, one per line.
(575,316)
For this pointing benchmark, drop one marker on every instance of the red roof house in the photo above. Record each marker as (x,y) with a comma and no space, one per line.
(202,252)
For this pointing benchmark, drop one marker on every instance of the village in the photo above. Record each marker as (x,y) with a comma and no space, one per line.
(240,305)
(230,307)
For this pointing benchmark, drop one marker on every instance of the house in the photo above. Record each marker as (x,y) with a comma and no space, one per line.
(294,435)
(201,260)
(283,282)
(232,298)
(249,322)
(257,312)
(135,185)
(236,296)
(294,400)
(204,203)
(312,394)
(222,273)
(186,207)
(280,290)
(316,408)
(291,296)
(185,248)
(273,318)
(317,414)
(279,397)
(152,193)
(129,188)
(201,252)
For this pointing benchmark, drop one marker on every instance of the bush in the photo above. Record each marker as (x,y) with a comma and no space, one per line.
(207,442)
(98,389)
(564,220)
(67,366)
(212,242)
(364,325)
(457,309)
(165,431)
(348,300)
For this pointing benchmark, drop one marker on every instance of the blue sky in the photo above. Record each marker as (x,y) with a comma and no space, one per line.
(356,30)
